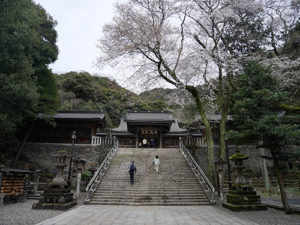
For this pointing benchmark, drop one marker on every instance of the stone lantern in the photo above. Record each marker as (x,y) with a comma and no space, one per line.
(238,159)
(242,197)
(60,165)
(57,194)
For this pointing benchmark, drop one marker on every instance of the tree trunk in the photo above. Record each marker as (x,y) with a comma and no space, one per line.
(21,146)
(222,144)
(224,102)
(208,128)
(285,203)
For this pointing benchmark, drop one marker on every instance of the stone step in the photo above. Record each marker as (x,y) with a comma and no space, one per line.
(179,203)
(174,189)
(198,190)
(160,187)
(149,193)
(150,198)
(174,185)
(155,193)
(154,184)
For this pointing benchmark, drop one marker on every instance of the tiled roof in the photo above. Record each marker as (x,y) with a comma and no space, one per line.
(122,127)
(76,115)
(176,128)
(149,116)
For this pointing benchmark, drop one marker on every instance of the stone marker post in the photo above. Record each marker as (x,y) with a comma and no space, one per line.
(219,165)
(264,166)
(37,178)
(80,164)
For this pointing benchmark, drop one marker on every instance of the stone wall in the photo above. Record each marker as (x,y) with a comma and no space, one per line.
(39,155)
(254,161)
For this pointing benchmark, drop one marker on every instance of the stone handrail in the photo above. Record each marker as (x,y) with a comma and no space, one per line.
(202,178)
(101,171)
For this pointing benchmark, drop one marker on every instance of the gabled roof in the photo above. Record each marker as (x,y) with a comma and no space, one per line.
(176,129)
(122,129)
(11,170)
(84,115)
(149,116)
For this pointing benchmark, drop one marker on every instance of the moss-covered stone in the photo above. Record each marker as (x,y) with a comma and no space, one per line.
(240,192)
(243,199)
(54,206)
(238,208)
(237,156)
(239,200)
(55,198)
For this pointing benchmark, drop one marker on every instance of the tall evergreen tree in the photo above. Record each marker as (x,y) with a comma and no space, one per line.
(27,46)
(258,114)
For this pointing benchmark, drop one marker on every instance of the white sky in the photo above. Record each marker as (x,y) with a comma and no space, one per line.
(79,26)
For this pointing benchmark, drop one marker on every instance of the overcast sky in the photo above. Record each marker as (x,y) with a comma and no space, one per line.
(79,26)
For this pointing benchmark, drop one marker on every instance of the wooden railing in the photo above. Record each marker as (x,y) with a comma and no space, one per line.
(195,141)
(102,140)
(202,178)
(101,171)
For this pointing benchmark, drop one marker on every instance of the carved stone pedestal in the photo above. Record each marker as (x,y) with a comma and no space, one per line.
(244,200)
(55,198)
(242,197)
(57,195)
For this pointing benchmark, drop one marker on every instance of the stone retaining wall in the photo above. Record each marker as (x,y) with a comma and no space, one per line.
(40,154)
(254,161)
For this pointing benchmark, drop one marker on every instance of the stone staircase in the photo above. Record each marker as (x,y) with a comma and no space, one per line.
(174,185)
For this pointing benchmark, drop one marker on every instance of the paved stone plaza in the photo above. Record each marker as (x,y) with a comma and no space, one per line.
(146,215)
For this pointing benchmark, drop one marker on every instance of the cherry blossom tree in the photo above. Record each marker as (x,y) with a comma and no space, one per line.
(188,42)
(224,31)
(152,34)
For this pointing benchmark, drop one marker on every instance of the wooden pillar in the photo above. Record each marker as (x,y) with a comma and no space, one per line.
(160,138)
(137,137)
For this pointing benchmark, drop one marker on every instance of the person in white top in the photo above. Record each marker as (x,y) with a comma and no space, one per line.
(144,142)
(156,163)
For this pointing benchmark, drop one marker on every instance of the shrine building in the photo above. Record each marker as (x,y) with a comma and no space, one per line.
(158,128)
(58,128)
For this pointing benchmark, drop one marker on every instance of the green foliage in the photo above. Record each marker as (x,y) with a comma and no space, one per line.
(257,111)
(81,91)
(238,156)
(27,46)
(48,102)
(245,34)
(86,175)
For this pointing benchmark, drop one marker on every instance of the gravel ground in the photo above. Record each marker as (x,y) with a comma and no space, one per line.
(269,217)
(22,214)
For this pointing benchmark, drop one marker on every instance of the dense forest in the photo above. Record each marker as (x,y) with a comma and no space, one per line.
(82,91)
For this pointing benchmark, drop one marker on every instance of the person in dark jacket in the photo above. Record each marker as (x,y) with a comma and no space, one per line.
(132,171)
